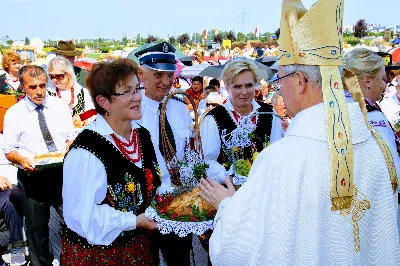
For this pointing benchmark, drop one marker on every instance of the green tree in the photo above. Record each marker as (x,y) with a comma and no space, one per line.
(347,32)
(27,41)
(241,37)
(124,40)
(251,36)
(218,38)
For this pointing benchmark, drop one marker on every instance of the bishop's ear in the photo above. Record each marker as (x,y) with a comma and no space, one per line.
(301,81)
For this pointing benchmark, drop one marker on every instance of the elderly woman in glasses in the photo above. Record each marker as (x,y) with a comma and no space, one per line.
(240,78)
(110,175)
(65,86)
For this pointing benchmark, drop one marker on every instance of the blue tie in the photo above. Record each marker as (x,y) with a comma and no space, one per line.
(51,146)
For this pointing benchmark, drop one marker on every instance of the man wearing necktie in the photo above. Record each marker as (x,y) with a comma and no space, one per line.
(36,125)
(158,64)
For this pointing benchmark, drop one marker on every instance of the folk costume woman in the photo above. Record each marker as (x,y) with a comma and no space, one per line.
(240,77)
(9,82)
(62,75)
(110,176)
(369,68)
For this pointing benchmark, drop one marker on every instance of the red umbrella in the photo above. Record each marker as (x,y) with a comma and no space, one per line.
(395,54)
(85,63)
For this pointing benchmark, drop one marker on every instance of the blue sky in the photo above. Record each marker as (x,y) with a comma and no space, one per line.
(68,19)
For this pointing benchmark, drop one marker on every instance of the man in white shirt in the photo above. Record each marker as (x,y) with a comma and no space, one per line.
(36,125)
(158,66)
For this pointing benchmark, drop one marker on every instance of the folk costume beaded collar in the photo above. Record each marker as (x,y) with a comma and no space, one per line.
(229,106)
(123,146)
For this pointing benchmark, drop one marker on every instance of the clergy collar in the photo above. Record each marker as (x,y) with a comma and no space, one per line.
(151,104)
(229,106)
(104,129)
(310,123)
(32,106)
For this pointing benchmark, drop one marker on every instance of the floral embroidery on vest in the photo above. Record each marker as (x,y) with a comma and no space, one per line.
(128,195)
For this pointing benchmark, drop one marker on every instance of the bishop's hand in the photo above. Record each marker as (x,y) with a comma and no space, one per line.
(213,192)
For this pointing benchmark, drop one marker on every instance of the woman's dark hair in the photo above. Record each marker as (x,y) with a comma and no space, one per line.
(211,88)
(104,78)
(215,82)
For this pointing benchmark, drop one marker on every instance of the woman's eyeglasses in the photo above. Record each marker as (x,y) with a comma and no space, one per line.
(138,91)
(57,76)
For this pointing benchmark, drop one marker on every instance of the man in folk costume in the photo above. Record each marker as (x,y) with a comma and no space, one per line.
(325,193)
(158,64)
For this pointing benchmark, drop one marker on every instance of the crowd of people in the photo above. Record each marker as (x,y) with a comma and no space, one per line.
(325,132)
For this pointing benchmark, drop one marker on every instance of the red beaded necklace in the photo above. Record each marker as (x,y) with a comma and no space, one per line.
(71,103)
(237,116)
(133,142)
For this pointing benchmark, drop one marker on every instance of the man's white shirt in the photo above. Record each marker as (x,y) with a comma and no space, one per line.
(22,131)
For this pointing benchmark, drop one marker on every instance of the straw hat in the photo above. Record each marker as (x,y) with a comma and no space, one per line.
(67,48)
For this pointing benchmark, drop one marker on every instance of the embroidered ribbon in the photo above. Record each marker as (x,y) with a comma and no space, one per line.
(339,138)
(353,87)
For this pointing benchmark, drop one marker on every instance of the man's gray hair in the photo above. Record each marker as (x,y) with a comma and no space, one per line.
(32,71)
(312,73)
(274,99)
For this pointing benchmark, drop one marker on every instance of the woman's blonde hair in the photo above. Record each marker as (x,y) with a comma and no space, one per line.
(363,61)
(62,64)
(235,67)
(198,55)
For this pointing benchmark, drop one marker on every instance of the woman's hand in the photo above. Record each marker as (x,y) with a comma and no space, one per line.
(143,222)
(213,192)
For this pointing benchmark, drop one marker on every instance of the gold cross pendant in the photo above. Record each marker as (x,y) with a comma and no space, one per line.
(357,211)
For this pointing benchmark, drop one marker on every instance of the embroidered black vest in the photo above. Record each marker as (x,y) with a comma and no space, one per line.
(130,188)
(260,137)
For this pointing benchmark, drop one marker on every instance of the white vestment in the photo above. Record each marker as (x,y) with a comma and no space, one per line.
(282,215)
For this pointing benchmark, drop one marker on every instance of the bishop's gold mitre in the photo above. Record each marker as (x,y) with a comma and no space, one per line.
(311,37)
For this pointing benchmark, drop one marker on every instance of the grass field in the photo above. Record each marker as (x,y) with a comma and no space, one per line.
(95,55)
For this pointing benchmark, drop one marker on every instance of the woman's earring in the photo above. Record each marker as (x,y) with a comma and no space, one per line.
(107,113)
